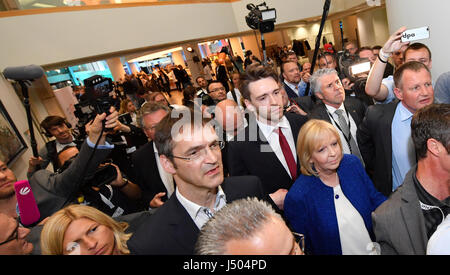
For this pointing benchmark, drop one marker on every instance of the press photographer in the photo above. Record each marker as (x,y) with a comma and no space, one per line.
(107,189)
(100,95)
(53,191)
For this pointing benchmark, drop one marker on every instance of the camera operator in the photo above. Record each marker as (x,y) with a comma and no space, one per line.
(107,190)
(126,139)
(61,130)
(53,191)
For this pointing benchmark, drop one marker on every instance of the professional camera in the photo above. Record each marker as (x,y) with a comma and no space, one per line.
(97,89)
(262,20)
(345,60)
(95,100)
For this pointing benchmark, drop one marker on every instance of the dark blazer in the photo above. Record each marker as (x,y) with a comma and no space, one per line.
(245,157)
(147,173)
(290,93)
(399,224)
(375,144)
(170,230)
(307,103)
(354,107)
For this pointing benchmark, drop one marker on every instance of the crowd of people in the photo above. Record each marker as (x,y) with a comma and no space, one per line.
(306,160)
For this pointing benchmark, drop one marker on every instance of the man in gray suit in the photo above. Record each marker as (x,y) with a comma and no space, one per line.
(404,223)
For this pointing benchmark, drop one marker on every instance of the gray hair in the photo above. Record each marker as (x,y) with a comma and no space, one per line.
(315,79)
(150,108)
(238,220)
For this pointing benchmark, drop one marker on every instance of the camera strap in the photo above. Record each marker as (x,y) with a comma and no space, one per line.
(119,211)
(347,138)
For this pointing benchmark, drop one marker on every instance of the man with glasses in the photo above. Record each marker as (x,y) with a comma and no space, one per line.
(12,237)
(217,91)
(190,150)
(248,227)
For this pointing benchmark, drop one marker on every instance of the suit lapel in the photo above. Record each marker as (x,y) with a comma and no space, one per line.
(262,145)
(184,229)
(386,133)
(352,111)
(412,217)
(289,91)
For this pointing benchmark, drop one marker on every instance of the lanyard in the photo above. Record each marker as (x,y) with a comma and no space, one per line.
(347,139)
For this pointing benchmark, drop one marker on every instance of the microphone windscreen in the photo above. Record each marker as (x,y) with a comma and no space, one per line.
(30,72)
(28,209)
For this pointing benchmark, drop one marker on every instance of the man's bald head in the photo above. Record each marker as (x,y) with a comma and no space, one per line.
(228,115)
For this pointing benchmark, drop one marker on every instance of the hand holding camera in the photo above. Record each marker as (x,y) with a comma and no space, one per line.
(95,127)
(393,44)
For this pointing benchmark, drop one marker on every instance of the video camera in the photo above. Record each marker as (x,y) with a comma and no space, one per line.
(95,100)
(262,20)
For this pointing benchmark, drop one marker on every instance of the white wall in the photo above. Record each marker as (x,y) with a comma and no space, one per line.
(418,13)
(16,111)
(372,27)
(57,37)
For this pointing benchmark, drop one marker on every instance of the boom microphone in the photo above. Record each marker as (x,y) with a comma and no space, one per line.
(28,209)
(30,72)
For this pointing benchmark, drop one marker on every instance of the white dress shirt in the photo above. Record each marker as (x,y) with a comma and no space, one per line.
(274,142)
(197,212)
(353,127)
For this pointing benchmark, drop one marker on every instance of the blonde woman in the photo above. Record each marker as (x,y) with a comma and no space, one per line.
(332,201)
(83,230)
(127,106)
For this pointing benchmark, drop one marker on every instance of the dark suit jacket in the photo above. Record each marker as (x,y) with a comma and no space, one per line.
(147,173)
(290,93)
(375,144)
(398,223)
(172,231)
(305,102)
(245,157)
(354,107)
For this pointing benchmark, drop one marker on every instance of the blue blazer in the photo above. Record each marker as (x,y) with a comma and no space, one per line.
(309,206)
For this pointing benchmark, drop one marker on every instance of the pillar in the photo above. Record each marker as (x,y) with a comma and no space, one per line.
(116,68)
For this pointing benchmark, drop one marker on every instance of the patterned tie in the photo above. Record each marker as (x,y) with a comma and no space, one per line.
(287,153)
(346,131)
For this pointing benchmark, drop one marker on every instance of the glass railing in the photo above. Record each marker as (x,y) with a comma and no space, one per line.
(13,5)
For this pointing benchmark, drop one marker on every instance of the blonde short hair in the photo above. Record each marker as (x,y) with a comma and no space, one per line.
(52,235)
(309,139)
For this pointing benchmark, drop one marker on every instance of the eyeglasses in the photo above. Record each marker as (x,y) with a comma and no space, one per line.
(300,240)
(14,235)
(200,153)
(218,89)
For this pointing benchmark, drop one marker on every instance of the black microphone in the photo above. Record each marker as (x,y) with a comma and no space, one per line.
(30,72)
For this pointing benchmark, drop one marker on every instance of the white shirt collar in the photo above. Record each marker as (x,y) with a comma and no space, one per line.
(195,211)
(293,86)
(331,109)
(267,130)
